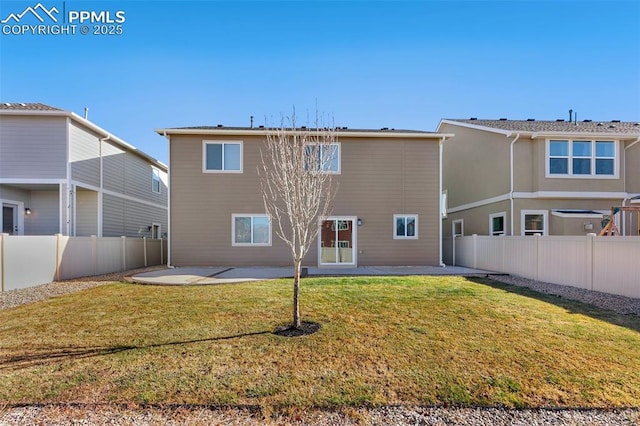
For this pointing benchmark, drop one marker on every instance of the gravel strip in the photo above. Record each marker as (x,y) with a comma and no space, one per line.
(13,298)
(397,415)
(619,304)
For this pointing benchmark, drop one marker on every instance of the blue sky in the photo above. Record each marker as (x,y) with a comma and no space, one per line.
(366,64)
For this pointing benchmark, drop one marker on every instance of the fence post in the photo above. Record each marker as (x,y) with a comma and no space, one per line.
(2,237)
(453,250)
(144,250)
(590,260)
(58,259)
(94,252)
(124,253)
(161,251)
(537,239)
(475,250)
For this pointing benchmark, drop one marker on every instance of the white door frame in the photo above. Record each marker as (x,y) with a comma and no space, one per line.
(18,215)
(354,242)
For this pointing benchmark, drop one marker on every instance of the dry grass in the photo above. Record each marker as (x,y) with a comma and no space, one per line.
(408,340)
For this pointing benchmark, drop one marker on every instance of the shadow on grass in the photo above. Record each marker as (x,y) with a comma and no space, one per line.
(631,322)
(48,355)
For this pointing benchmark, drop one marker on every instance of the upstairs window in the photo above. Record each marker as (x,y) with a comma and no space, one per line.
(581,158)
(155,180)
(323,157)
(218,157)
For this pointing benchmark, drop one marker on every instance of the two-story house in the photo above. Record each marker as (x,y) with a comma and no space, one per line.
(528,177)
(386,210)
(61,173)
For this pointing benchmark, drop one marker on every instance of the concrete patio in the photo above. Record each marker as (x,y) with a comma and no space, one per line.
(223,275)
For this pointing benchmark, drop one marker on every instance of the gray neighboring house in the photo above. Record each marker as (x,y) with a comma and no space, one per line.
(61,173)
(530,177)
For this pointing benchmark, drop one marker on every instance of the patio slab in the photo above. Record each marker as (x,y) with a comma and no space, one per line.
(223,275)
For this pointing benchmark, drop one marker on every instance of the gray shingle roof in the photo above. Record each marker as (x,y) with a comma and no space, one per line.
(588,126)
(21,106)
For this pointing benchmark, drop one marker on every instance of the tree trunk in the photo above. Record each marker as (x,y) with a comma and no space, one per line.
(296,290)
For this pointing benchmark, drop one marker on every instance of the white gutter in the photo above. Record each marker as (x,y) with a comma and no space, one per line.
(440,150)
(101,186)
(511,181)
(168,201)
(624,180)
(265,131)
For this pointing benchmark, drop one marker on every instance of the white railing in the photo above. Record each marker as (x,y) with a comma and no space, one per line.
(27,261)
(606,264)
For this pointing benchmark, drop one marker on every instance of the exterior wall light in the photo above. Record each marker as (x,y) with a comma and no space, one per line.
(27,211)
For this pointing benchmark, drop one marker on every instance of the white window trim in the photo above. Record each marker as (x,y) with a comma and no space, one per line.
(544,213)
(399,237)
(251,215)
(221,142)
(156,172)
(339,145)
(593,175)
(504,222)
(453,227)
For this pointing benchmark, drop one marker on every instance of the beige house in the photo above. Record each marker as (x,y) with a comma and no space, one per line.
(386,210)
(528,177)
(62,174)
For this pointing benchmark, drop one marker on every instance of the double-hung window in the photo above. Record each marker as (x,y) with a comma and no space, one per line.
(581,158)
(324,158)
(405,226)
(497,223)
(155,180)
(251,230)
(220,157)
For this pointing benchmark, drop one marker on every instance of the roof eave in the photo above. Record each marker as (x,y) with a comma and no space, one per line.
(483,128)
(263,132)
(589,135)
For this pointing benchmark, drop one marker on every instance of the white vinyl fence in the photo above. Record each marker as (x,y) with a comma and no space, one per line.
(606,264)
(27,261)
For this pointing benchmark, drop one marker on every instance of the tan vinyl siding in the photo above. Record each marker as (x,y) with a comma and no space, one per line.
(84,155)
(86,213)
(476,220)
(45,216)
(379,178)
(632,170)
(475,165)
(33,147)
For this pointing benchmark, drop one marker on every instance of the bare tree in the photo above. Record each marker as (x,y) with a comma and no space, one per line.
(297,188)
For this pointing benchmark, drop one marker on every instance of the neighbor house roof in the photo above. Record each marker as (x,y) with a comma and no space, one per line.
(340,131)
(39,109)
(31,106)
(550,127)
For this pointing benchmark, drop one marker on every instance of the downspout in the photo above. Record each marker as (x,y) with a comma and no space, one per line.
(168,201)
(440,150)
(511,182)
(100,207)
(624,180)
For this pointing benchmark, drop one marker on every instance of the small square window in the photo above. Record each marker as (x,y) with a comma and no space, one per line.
(457,228)
(497,223)
(405,226)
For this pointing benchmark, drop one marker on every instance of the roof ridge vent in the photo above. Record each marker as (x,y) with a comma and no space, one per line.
(219,125)
(384,128)
(502,119)
(531,119)
(560,120)
(615,121)
(261,127)
(587,121)
(473,118)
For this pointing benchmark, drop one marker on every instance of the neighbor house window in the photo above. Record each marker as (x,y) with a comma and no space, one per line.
(324,157)
(222,157)
(405,226)
(155,180)
(581,158)
(457,228)
(534,222)
(251,230)
(497,223)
